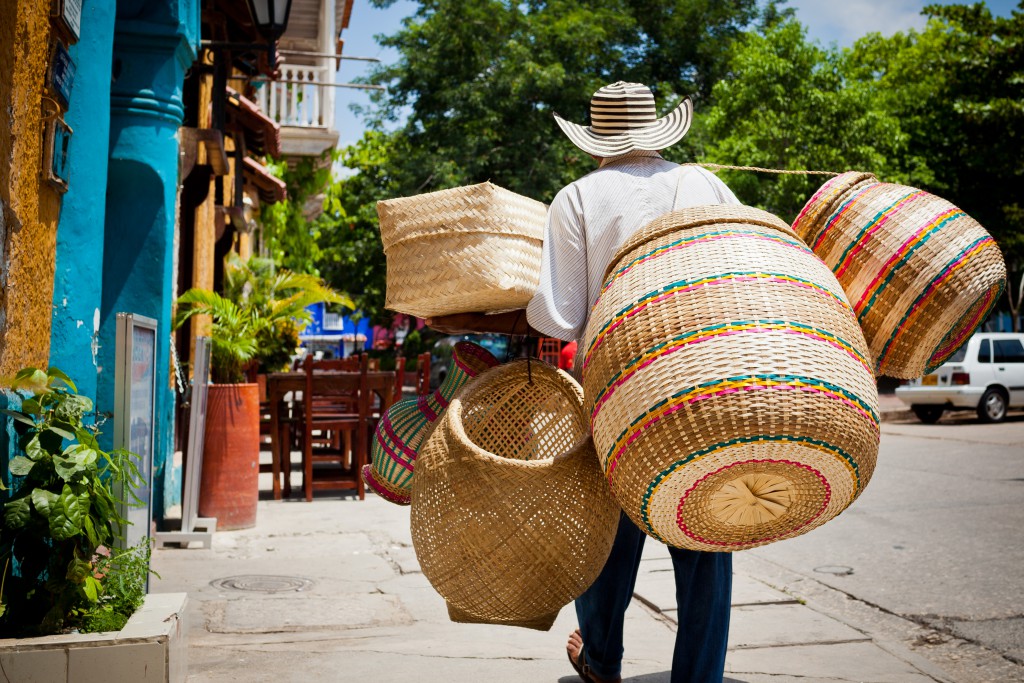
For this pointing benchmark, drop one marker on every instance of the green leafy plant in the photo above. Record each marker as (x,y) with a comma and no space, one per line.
(64,511)
(259,315)
(123,583)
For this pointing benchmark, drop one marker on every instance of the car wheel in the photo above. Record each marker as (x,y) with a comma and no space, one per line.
(927,414)
(992,406)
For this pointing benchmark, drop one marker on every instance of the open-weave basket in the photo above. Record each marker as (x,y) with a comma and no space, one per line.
(511,518)
(468,249)
(406,424)
(920,273)
(728,383)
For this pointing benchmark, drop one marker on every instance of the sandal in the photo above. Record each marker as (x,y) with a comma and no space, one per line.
(583,669)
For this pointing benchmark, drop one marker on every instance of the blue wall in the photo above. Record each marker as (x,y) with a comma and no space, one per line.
(154,44)
(78,280)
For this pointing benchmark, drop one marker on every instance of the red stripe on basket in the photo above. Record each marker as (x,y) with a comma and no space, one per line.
(834,218)
(768,539)
(380,489)
(424,405)
(876,224)
(393,438)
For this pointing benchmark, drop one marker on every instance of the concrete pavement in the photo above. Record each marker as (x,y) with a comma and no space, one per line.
(331,591)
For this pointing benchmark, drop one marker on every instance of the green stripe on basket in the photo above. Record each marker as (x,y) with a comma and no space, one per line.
(848,460)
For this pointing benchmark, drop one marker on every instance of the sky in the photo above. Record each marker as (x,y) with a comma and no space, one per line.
(827,21)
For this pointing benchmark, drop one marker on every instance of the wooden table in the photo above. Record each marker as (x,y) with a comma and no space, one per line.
(280,384)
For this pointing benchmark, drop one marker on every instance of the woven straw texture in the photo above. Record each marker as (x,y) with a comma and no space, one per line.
(468,249)
(726,377)
(404,426)
(920,273)
(511,518)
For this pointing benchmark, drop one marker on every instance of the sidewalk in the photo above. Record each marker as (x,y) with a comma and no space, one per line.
(331,591)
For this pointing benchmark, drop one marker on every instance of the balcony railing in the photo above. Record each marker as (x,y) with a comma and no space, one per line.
(296,100)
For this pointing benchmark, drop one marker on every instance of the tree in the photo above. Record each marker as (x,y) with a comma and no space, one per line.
(959,88)
(789,104)
(481,79)
(291,237)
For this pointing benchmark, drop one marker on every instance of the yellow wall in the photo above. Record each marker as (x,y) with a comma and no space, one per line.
(30,206)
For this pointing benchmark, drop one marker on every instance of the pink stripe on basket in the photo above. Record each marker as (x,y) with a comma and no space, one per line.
(614,458)
(393,438)
(382,490)
(425,408)
(768,539)
(862,240)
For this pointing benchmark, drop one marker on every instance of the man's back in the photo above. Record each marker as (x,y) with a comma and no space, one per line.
(592,217)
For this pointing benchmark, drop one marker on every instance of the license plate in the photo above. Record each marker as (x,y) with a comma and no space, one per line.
(930,380)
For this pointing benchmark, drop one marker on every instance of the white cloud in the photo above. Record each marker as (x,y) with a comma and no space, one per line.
(844,21)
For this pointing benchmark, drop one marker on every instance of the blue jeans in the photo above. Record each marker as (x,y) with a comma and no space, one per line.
(703,595)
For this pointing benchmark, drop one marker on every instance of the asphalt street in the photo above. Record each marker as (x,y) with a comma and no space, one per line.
(935,538)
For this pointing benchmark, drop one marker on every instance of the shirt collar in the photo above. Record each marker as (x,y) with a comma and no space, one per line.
(636,153)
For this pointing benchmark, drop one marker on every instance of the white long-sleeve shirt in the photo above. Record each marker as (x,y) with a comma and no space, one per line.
(592,217)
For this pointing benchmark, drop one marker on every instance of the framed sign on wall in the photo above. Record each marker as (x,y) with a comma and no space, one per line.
(135,414)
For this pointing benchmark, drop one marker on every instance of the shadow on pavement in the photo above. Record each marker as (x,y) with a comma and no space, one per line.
(662,677)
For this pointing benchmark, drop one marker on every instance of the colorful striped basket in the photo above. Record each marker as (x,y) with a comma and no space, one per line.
(728,384)
(921,274)
(511,518)
(467,249)
(404,426)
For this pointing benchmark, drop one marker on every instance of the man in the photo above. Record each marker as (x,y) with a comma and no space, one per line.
(587,222)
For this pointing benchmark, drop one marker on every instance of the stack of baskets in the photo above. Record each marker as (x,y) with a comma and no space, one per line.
(511,518)
(920,273)
(468,249)
(728,382)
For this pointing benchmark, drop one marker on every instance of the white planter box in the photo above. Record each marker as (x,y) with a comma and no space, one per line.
(151,648)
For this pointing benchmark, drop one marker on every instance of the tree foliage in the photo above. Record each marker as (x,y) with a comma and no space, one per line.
(472,95)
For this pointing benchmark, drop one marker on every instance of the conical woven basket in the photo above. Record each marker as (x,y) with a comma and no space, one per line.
(511,518)
(468,249)
(405,425)
(920,273)
(728,384)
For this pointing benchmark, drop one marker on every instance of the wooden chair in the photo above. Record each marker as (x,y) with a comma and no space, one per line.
(548,350)
(399,378)
(345,457)
(423,374)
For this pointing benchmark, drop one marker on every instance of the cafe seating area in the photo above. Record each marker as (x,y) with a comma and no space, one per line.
(317,421)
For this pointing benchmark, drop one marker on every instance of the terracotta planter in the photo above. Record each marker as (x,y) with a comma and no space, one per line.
(231,467)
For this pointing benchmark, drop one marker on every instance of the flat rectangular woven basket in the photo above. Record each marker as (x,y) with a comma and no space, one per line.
(467,249)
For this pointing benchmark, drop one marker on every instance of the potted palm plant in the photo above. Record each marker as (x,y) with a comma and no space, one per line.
(257,319)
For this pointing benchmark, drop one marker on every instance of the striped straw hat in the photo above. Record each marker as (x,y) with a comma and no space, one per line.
(623,119)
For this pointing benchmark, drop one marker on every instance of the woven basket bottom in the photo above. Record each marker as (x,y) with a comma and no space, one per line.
(746,498)
(383,488)
(541,623)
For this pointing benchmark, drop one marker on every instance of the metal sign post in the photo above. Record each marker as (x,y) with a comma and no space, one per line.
(193,527)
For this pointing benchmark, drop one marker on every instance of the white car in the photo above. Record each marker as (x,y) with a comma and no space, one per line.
(985,375)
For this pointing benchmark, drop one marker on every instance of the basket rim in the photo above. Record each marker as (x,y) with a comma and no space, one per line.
(487,189)
(453,415)
(848,181)
(706,214)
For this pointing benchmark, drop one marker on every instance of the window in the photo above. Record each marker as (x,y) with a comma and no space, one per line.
(1008,351)
(985,352)
(959,355)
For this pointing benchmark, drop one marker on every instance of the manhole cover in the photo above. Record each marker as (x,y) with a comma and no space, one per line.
(263,584)
(836,569)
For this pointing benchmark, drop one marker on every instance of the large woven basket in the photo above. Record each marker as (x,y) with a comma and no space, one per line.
(920,273)
(468,249)
(511,518)
(728,383)
(405,425)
